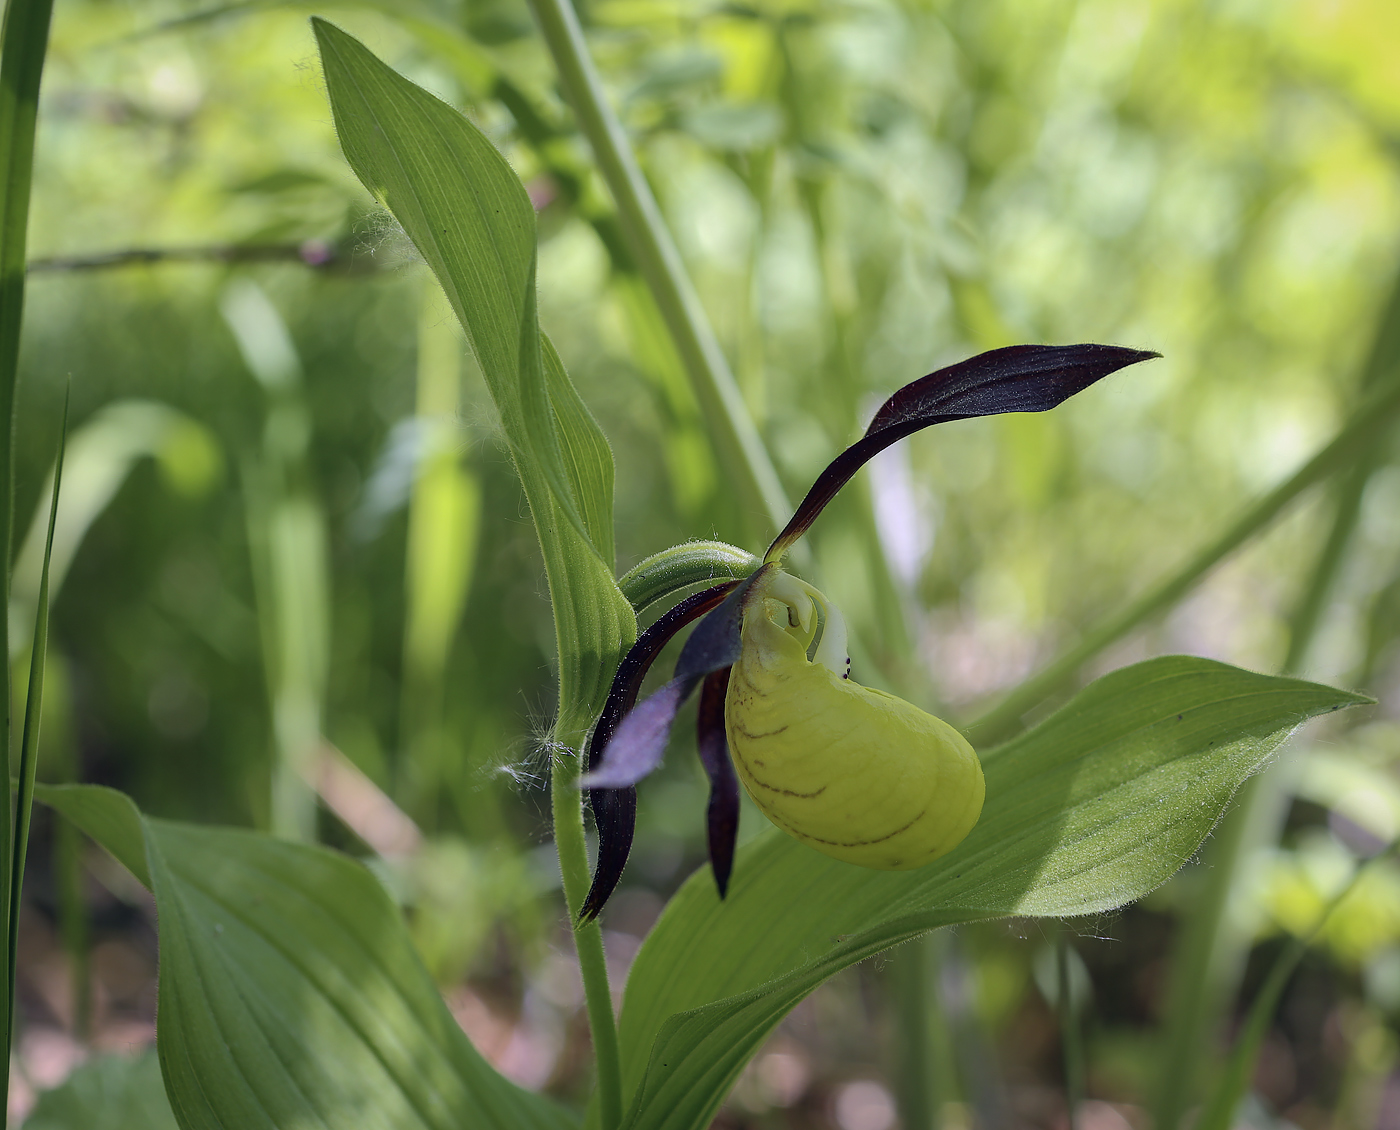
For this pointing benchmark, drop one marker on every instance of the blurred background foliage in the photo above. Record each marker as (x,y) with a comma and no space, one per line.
(295,559)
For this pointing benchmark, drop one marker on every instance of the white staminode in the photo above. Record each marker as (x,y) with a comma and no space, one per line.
(803,603)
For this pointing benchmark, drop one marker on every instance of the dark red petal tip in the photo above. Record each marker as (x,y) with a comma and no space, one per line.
(1018,378)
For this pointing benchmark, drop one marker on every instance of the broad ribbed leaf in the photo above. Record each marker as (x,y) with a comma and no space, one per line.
(470,218)
(1093,808)
(290,993)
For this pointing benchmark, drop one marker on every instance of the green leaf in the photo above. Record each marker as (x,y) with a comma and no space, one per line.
(106,815)
(588,457)
(290,993)
(1093,808)
(112,1092)
(471,219)
(466,211)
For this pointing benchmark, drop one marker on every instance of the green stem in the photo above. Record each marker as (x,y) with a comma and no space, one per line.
(1071,1040)
(909,978)
(73,918)
(567,802)
(660,263)
(1362,429)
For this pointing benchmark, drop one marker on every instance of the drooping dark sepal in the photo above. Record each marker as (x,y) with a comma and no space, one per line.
(1018,378)
(722,812)
(615,815)
(615,809)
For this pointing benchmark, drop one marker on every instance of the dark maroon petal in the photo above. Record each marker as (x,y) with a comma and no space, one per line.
(722,814)
(1019,378)
(629,749)
(615,810)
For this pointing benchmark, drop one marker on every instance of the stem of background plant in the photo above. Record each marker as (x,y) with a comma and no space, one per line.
(1071,1038)
(1210,960)
(443,527)
(1363,427)
(567,803)
(919,1101)
(660,264)
(23,44)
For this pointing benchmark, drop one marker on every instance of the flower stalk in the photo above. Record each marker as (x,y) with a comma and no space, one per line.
(588,935)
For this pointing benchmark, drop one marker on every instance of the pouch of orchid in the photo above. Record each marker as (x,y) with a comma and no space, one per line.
(851,771)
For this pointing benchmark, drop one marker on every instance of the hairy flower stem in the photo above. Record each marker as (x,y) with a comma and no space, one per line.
(660,265)
(567,803)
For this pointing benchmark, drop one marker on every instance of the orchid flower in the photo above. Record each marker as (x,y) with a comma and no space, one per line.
(851,771)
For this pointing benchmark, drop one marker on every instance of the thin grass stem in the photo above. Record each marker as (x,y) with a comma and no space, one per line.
(660,265)
(1071,1037)
(916,1086)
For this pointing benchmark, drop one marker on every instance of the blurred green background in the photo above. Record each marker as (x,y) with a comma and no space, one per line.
(296,541)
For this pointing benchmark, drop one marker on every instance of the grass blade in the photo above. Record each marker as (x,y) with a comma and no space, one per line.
(24,41)
(29,743)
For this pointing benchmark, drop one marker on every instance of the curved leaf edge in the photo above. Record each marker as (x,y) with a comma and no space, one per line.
(652,1103)
(113,820)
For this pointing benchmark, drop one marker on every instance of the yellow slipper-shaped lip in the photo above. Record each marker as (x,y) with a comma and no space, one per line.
(854,772)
